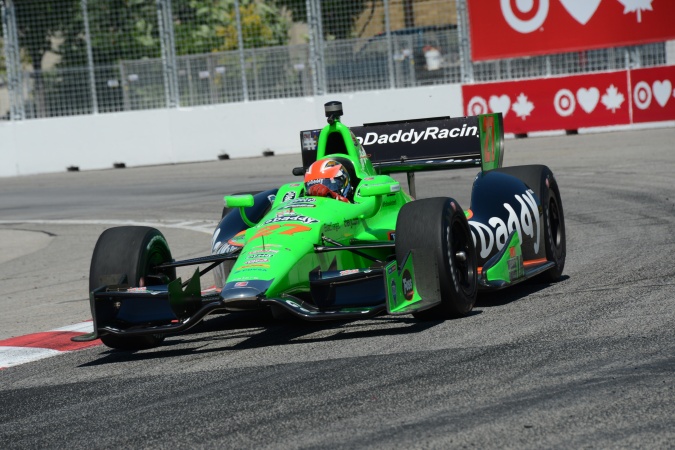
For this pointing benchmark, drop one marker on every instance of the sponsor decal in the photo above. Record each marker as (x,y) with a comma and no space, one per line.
(257,261)
(290,217)
(250,269)
(254,267)
(392,291)
(363,156)
(309,140)
(286,229)
(348,272)
(391,269)
(213,239)
(271,198)
(226,248)
(351,222)
(241,284)
(407,281)
(389,203)
(288,196)
(414,137)
(391,235)
(496,232)
(331,227)
(268,254)
(303,202)
(238,239)
(265,248)
(515,265)
(296,306)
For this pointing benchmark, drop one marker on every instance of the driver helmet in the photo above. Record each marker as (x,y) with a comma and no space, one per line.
(331,174)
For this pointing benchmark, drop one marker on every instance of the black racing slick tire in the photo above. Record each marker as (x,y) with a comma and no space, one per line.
(540,179)
(440,225)
(128,255)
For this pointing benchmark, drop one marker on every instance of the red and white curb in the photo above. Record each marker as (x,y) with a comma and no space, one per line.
(32,347)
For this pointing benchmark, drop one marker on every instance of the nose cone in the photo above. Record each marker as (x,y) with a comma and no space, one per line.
(275,253)
(244,295)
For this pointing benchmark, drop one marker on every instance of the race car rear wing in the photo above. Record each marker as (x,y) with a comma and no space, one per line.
(439,143)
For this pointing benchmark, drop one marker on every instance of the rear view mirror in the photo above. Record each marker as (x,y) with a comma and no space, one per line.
(378,185)
(239,201)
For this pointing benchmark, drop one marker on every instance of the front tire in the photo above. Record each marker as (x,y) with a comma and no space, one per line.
(439,225)
(128,255)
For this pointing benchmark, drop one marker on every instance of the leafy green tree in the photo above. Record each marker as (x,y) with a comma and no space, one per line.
(38,23)
(338,16)
(128,30)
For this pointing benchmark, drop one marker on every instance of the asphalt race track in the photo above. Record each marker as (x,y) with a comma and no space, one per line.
(588,362)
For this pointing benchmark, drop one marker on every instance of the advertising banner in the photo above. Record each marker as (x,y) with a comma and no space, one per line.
(561,103)
(653,94)
(516,28)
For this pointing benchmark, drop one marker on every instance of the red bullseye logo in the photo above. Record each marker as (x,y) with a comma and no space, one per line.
(564,102)
(477,105)
(525,16)
(642,95)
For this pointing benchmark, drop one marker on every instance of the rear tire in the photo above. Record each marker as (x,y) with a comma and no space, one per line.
(439,224)
(540,179)
(130,253)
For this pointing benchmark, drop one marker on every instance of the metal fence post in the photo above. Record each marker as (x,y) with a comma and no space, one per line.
(240,44)
(321,62)
(312,47)
(13,61)
(167,41)
(316,54)
(90,58)
(464,42)
(390,46)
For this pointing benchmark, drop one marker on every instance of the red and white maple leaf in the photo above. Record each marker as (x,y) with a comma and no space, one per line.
(612,99)
(523,107)
(636,6)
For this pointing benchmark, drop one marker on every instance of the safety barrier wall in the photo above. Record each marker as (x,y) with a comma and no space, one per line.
(202,133)
(580,101)
(248,129)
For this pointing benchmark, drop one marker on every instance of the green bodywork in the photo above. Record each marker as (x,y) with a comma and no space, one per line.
(280,247)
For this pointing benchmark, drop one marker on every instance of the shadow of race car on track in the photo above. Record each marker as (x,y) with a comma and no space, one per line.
(379,251)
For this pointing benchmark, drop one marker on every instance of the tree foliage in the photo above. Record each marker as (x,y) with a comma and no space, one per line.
(338,16)
(129,29)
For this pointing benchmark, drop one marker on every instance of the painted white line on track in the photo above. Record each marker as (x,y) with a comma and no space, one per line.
(14,356)
(202,226)
(84,327)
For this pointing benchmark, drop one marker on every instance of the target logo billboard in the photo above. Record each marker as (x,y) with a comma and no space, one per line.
(563,103)
(537,27)
(653,94)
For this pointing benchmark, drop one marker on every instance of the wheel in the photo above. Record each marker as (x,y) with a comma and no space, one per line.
(440,224)
(130,252)
(540,179)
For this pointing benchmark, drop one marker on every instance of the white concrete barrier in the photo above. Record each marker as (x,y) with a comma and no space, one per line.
(201,133)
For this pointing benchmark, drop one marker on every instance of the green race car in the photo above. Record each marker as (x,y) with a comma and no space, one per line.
(374,250)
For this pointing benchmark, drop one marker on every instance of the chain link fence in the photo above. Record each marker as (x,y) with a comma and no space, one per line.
(69,57)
